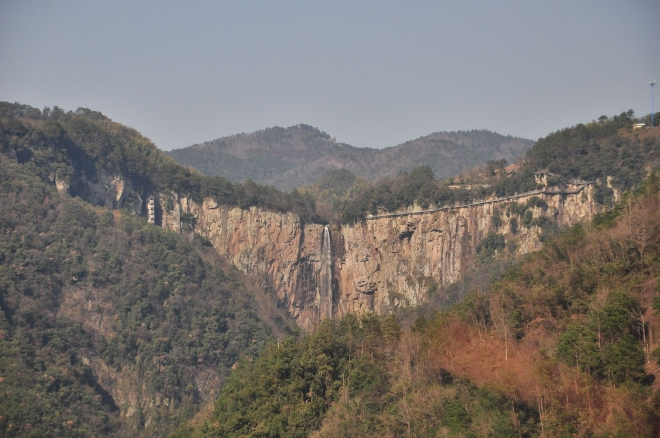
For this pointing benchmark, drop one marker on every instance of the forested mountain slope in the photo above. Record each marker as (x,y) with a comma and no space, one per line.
(127,328)
(84,152)
(565,344)
(300,155)
(109,326)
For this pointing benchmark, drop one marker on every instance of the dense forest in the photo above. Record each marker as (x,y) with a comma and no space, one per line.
(102,313)
(112,326)
(76,147)
(563,344)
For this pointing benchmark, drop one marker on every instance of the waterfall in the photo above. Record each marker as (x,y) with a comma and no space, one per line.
(325,295)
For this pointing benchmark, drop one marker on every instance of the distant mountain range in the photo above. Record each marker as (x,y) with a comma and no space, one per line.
(300,155)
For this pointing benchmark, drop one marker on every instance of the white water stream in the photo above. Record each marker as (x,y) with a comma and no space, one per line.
(325,295)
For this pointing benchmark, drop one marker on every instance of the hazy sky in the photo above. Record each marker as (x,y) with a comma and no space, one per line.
(370,73)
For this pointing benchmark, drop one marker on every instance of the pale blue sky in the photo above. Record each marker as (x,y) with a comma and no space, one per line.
(370,73)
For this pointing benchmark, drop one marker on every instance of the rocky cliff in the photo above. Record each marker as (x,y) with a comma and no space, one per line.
(394,260)
(386,261)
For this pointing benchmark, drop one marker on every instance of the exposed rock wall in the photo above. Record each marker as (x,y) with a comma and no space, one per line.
(378,264)
(276,247)
(112,190)
(392,261)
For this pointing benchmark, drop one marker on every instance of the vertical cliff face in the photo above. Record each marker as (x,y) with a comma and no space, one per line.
(112,190)
(394,260)
(317,272)
(276,248)
(378,264)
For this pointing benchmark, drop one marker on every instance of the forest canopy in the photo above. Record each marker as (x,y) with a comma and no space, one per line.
(76,145)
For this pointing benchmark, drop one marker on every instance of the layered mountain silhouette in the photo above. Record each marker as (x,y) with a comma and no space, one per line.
(300,155)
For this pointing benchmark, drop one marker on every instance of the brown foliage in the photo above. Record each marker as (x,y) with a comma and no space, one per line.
(575,267)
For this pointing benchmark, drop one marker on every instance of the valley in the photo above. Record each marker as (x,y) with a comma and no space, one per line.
(146,323)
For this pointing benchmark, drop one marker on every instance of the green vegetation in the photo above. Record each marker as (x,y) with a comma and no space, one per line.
(588,289)
(593,152)
(492,244)
(276,156)
(392,195)
(343,379)
(590,152)
(337,182)
(607,345)
(102,311)
(596,150)
(561,345)
(300,155)
(78,146)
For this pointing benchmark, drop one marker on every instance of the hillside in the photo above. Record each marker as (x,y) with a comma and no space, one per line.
(86,154)
(386,253)
(300,155)
(128,328)
(562,345)
(607,153)
(109,326)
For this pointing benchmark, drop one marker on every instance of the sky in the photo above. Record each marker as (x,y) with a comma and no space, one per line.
(369,73)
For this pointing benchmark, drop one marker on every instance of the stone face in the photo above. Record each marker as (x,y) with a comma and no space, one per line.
(62,186)
(112,190)
(377,264)
(274,246)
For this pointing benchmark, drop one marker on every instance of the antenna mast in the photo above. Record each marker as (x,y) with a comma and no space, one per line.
(652,83)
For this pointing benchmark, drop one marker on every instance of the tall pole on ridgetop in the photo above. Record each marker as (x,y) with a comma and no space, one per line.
(652,83)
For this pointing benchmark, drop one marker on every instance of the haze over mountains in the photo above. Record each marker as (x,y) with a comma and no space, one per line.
(300,155)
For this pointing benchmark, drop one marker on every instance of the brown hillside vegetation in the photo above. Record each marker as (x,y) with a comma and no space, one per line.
(510,339)
(563,345)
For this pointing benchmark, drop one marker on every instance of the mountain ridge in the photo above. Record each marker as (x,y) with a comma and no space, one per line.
(299,155)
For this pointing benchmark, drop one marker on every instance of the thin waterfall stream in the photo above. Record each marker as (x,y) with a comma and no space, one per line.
(325,304)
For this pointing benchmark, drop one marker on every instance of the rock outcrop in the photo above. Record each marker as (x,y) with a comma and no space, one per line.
(113,191)
(377,264)
(384,262)
(110,189)
(276,247)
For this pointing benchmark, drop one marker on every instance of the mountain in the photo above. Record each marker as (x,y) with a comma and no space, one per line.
(109,325)
(300,155)
(114,321)
(562,345)
(402,256)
